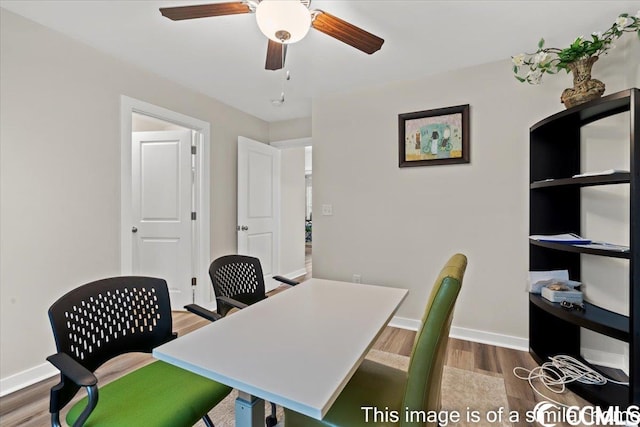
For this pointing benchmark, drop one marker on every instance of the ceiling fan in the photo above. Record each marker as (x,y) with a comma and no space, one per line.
(283,22)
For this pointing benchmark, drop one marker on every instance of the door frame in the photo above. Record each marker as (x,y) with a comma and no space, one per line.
(292,143)
(201,243)
(283,145)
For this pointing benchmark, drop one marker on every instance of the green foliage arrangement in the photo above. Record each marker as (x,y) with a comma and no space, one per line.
(530,67)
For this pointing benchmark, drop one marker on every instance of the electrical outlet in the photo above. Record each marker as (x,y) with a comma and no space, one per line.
(327,210)
(356,278)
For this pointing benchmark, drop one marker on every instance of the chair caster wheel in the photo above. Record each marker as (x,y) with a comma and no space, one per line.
(271,421)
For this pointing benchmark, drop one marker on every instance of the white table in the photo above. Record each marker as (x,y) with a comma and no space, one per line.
(297,349)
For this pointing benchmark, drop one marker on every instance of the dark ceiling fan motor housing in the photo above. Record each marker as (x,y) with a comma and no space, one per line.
(283,35)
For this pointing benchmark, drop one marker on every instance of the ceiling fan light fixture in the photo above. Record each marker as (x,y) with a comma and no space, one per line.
(283,21)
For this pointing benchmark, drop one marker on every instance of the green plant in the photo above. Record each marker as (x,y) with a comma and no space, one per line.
(530,67)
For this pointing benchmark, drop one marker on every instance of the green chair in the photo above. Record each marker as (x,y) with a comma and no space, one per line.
(107,318)
(380,386)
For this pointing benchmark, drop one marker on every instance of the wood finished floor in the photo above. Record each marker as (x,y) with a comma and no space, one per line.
(29,407)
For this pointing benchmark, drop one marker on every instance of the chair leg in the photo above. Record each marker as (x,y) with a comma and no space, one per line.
(271,420)
(207,421)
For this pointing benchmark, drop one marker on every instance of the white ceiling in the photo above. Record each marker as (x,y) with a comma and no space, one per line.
(223,57)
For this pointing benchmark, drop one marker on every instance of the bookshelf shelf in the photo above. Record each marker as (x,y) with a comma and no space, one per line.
(585,181)
(593,317)
(582,250)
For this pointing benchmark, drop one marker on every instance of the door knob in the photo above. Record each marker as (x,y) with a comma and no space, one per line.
(134,229)
(244,228)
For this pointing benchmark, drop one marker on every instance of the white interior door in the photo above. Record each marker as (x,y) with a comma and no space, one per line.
(162,205)
(259,205)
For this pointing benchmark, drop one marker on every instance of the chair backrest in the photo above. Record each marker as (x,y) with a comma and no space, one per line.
(239,277)
(107,318)
(429,349)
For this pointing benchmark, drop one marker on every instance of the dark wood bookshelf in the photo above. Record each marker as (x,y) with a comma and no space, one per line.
(583,250)
(585,181)
(555,208)
(591,111)
(592,317)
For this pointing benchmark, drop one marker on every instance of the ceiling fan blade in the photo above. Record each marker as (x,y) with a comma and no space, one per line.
(346,32)
(179,13)
(276,54)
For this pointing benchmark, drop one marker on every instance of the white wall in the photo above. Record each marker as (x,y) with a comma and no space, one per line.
(142,123)
(60,174)
(292,263)
(397,226)
(290,129)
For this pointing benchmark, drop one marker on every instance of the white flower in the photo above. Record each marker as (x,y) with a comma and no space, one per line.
(597,34)
(518,60)
(622,22)
(534,76)
(541,57)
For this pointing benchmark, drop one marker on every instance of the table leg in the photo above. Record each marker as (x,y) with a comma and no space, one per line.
(249,410)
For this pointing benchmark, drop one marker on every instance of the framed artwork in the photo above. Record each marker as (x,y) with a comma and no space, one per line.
(434,137)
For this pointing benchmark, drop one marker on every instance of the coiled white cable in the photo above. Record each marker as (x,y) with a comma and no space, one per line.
(558,372)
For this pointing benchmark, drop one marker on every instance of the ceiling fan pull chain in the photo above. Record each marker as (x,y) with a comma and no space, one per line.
(287,77)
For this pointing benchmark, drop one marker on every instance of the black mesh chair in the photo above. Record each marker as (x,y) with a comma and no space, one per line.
(107,318)
(238,282)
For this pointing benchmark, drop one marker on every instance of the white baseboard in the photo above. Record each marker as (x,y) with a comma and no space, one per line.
(596,357)
(26,378)
(491,338)
(466,334)
(404,323)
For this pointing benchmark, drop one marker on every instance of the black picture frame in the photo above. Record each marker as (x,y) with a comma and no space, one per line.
(434,137)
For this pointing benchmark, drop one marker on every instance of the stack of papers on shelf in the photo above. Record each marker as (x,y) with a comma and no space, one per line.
(606,246)
(600,173)
(566,238)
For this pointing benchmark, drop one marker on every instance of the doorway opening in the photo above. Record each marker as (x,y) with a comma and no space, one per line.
(165,199)
(308,224)
(297,202)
